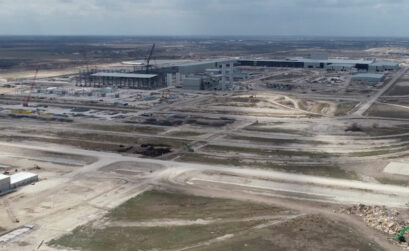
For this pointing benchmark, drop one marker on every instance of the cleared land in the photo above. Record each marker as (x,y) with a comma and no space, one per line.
(292,145)
(210,224)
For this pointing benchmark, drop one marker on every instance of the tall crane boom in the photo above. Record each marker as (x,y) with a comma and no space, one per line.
(149,57)
(27,101)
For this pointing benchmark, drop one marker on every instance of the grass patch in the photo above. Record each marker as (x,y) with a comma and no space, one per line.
(344,108)
(324,170)
(267,152)
(146,238)
(371,153)
(162,205)
(92,141)
(122,128)
(398,90)
(275,130)
(390,181)
(310,233)
(388,111)
(157,205)
(385,131)
(207,159)
(185,134)
(381,151)
(277,141)
(120,139)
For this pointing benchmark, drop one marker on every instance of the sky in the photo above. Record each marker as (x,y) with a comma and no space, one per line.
(205,17)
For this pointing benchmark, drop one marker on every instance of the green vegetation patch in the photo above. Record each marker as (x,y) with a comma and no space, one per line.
(157,205)
(381,151)
(122,128)
(325,170)
(388,111)
(162,205)
(185,134)
(344,108)
(376,130)
(389,181)
(254,128)
(310,233)
(277,141)
(119,139)
(399,90)
(147,238)
(267,152)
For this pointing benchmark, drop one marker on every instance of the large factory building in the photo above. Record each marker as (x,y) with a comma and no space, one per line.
(320,60)
(218,74)
(329,64)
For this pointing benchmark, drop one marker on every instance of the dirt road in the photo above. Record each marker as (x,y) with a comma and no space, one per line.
(365,106)
(279,184)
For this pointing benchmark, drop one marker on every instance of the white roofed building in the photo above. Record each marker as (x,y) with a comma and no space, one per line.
(21,179)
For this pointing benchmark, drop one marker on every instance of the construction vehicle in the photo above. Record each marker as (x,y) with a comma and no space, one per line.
(187,147)
(165,96)
(21,112)
(28,98)
(401,237)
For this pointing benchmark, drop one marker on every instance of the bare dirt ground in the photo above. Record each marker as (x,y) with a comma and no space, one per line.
(293,157)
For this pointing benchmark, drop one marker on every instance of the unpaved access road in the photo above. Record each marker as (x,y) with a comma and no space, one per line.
(278,184)
(365,106)
(78,208)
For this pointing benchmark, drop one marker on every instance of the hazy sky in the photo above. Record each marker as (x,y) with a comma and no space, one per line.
(205,17)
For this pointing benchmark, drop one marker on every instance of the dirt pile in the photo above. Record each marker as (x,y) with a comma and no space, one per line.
(150,150)
(378,217)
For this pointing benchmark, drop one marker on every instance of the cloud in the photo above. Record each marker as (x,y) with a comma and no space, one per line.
(208,17)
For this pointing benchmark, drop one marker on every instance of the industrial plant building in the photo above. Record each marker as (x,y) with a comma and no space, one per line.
(320,60)
(9,183)
(216,74)
(212,75)
(126,80)
(208,75)
(329,64)
(368,78)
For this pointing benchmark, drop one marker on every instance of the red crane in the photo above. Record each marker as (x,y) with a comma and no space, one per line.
(27,101)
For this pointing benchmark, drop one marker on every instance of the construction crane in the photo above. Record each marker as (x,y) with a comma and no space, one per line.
(149,58)
(28,98)
(85,58)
